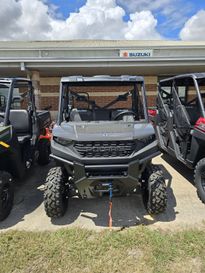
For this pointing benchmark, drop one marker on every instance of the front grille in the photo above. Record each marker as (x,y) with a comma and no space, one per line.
(106,172)
(105,148)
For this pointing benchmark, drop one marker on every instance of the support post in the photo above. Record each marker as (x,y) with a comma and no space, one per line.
(35,77)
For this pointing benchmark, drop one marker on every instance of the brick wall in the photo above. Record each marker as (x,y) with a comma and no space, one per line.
(50,96)
(49,101)
(50,89)
(50,92)
(151,100)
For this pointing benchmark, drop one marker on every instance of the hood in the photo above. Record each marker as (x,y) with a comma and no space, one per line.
(102,131)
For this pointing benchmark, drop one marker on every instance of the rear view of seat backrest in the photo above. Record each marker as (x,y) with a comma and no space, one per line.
(102,114)
(194,113)
(86,114)
(20,120)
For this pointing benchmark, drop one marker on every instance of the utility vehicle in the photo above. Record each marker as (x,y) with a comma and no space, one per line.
(103,138)
(24,136)
(180,122)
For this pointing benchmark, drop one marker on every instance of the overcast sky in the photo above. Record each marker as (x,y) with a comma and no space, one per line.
(102,19)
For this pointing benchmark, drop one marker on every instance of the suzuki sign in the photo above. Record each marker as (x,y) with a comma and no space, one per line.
(136,53)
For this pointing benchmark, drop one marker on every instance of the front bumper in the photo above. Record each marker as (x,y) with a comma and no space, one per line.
(85,172)
(88,179)
(102,171)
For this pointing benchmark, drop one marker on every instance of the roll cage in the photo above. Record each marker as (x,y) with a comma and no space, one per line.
(195,77)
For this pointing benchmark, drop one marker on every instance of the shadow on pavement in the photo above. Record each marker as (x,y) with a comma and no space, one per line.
(179,167)
(27,196)
(127,211)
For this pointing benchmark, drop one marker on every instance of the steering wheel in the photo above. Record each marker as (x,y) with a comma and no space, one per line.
(124,113)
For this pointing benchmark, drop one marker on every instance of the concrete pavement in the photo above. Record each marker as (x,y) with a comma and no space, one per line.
(184,210)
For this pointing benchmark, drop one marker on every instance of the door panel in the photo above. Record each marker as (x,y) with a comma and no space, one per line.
(182,125)
(181,118)
(163,120)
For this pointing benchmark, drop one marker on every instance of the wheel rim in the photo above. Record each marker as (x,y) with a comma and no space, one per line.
(5,196)
(64,195)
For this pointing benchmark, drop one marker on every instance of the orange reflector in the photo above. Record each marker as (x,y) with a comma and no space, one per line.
(4,144)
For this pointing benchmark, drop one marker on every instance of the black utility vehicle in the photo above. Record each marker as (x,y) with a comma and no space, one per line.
(180,122)
(23,136)
(103,142)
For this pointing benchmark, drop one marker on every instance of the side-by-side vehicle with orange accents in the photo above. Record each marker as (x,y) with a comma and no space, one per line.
(24,136)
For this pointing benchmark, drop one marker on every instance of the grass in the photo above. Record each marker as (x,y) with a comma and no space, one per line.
(77,250)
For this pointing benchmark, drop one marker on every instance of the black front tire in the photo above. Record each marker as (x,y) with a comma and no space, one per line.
(44,152)
(6,195)
(199,179)
(154,190)
(55,194)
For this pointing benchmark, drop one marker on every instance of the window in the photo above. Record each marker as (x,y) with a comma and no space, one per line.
(165,90)
(4,90)
(201,83)
(20,96)
(185,89)
(100,101)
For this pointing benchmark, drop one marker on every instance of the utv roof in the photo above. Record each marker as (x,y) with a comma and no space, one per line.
(190,75)
(9,80)
(103,78)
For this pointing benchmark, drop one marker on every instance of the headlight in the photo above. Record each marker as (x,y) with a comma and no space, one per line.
(62,141)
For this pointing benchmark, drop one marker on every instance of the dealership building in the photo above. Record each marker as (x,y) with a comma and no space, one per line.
(47,61)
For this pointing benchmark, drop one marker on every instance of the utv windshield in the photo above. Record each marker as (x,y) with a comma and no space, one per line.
(4,92)
(102,101)
(16,99)
(14,95)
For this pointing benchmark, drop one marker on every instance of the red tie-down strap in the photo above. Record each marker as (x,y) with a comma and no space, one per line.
(110,215)
(110,207)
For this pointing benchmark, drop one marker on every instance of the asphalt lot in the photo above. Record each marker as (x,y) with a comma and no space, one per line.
(184,210)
